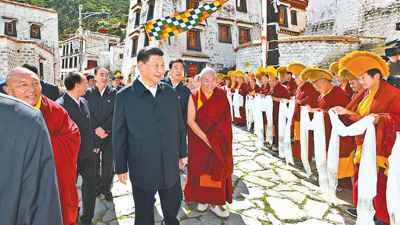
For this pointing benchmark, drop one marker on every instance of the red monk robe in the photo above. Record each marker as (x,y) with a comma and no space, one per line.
(279,91)
(291,86)
(386,103)
(214,118)
(244,89)
(65,139)
(349,91)
(338,97)
(305,95)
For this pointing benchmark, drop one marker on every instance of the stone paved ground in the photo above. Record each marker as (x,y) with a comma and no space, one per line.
(266,191)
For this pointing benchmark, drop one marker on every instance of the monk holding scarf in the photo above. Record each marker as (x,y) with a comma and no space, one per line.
(331,96)
(242,87)
(286,79)
(381,100)
(210,165)
(305,95)
(343,81)
(64,134)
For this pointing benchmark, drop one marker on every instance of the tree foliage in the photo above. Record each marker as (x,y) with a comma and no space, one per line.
(68,14)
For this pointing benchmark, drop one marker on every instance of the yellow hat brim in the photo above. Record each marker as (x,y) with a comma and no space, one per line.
(296,68)
(345,74)
(360,62)
(314,74)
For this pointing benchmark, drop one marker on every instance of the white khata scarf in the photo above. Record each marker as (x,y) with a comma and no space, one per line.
(367,174)
(237,103)
(317,125)
(249,111)
(286,111)
(263,104)
(393,183)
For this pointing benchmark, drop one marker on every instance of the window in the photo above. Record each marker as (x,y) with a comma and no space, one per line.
(63,64)
(71,50)
(192,4)
(146,41)
(121,56)
(241,5)
(70,63)
(63,50)
(10,28)
(293,17)
(75,62)
(138,1)
(137,18)
(91,64)
(224,33)
(193,40)
(35,31)
(134,46)
(150,13)
(283,16)
(67,50)
(244,35)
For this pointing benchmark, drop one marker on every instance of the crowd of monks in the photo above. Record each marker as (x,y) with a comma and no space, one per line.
(355,86)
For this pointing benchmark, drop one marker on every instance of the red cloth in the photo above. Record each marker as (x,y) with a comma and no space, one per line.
(264,89)
(65,139)
(214,119)
(243,91)
(279,91)
(349,91)
(386,103)
(291,86)
(307,95)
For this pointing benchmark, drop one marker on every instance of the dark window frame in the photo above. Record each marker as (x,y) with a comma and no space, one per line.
(283,18)
(197,36)
(242,7)
(134,45)
(228,39)
(192,4)
(137,18)
(293,17)
(38,35)
(11,31)
(150,11)
(248,38)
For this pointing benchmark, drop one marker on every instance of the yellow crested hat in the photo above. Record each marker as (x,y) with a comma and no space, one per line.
(345,74)
(314,74)
(282,70)
(296,68)
(360,62)
(236,73)
(271,71)
(261,71)
(334,68)
(251,75)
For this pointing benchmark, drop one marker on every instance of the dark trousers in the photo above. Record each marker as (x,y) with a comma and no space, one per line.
(87,169)
(105,168)
(171,199)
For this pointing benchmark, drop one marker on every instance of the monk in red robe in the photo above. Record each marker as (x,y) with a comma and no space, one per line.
(243,88)
(253,87)
(354,83)
(278,92)
(343,81)
(286,79)
(210,164)
(331,96)
(264,83)
(64,133)
(382,101)
(305,95)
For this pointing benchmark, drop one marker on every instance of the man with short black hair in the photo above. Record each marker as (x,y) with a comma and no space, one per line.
(77,107)
(175,79)
(101,106)
(149,139)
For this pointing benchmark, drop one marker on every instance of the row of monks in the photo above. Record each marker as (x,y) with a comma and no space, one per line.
(354,87)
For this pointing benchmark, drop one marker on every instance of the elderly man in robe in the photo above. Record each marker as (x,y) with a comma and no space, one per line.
(381,100)
(25,85)
(210,165)
(331,96)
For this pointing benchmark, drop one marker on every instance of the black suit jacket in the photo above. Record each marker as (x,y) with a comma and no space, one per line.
(101,110)
(50,90)
(81,116)
(183,94)
(148,136)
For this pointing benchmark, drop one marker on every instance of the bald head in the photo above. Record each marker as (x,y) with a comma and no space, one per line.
(23,84)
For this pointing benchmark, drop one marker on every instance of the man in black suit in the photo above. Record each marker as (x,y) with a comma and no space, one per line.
(101,106)
(28,185)
(175,79)
(149,139)
(77,108)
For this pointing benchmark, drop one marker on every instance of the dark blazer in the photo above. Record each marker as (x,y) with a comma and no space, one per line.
(148,136)
(29,187)
(101,110)
(183,94)
(50,90)
(81,116)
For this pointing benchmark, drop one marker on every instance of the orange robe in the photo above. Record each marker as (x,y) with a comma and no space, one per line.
(279,91)
(214,118)
(243,91)
(65,139)
(307,95)
(386,103)
(338,97)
